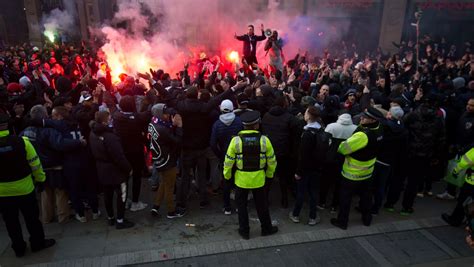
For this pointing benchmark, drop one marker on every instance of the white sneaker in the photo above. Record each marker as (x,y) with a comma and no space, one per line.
(420,195)
(294,219)
(227,211)
(81,219)
(95,216)
(445,195)
(136,206)
(314,221)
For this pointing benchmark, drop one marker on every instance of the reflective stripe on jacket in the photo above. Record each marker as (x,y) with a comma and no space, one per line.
(254,179)
(353,169)
(467,162)
(25,185)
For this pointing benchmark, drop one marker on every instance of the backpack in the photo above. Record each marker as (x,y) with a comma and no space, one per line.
(323,143)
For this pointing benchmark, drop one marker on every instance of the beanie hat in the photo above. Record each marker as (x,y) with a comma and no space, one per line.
(397,112)
(158,109)
(459,82)
(14,88)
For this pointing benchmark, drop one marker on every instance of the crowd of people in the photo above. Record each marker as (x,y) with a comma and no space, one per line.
(331,126)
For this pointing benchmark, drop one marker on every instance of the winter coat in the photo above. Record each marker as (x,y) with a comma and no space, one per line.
(228,126)
(131,128)
(393,148)
(313,149)
(50,145)
(465,131)
(112,165)
(165,144)
(280,126)
(78,162)
(426,132)
(83,115)
(196,120)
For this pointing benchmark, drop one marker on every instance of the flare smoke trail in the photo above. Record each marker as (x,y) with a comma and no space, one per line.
(60,21)
(164,34)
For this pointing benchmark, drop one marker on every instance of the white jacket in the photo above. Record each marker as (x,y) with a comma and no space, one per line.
(343,128)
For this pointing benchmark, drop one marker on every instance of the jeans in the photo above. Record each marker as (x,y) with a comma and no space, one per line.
(283,171)
(307,183)
(82,186)
(214,173)
(137,160)
(192,160)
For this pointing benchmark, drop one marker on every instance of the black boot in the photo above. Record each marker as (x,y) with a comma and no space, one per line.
(46,244)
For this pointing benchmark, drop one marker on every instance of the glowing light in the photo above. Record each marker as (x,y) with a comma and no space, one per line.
(49,35)
(233,57)
(320,34)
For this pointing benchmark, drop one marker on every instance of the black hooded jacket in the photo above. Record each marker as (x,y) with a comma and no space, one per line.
(112,165)
(426,132)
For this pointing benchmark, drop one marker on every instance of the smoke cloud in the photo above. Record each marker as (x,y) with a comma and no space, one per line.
(164,34)
(60,22)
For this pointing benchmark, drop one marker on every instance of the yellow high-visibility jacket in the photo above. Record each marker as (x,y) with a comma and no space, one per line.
(467,162)
(23,185)
(234,156)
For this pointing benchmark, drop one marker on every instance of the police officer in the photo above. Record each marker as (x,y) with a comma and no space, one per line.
(21,168)
(360,151)
(467,190)
(253,156)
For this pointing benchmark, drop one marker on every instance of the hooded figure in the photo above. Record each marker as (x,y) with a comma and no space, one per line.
(223,129)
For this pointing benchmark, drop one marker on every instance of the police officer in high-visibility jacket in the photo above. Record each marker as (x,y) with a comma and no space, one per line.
(21,169)
(360,151)
(467,190)
(252,155)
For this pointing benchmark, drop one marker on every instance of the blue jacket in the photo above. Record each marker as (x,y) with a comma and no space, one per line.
(222,134)
(50,145)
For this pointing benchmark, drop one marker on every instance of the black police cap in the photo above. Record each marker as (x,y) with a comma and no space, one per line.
(250,117)
(373,113)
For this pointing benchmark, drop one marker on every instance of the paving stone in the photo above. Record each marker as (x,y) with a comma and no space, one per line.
(406,248)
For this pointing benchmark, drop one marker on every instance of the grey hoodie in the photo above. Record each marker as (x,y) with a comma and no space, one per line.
(343,128)
(227,118)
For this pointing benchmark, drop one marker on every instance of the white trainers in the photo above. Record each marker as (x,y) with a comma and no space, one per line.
(420,195)
(314,221)
(81,219)
(95,216)
(227,211)
(294,219)
(445,195)
(136,206)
